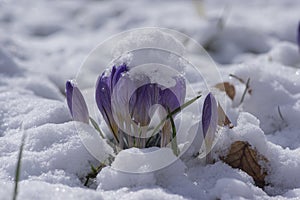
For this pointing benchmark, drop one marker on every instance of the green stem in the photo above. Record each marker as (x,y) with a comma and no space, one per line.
(174,138)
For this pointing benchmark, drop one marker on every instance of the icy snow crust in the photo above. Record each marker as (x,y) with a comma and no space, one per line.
(40,50)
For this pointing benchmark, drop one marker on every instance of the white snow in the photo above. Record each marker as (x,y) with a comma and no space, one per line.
(43,44)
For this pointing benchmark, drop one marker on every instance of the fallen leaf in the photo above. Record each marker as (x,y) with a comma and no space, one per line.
(242,156)
(228,88)
(223,119)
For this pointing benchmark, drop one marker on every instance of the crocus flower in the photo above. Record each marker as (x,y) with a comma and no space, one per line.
(104,89)
(125,102)
(209,120)
(76,103)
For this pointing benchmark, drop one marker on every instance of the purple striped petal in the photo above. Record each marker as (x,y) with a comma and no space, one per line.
(76,103)
(104,89)
(141,101)
(117,75)
(110,78)
(209,116)
(103,101)
(172,98)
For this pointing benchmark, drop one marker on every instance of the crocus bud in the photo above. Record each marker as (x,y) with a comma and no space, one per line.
(76,103)
(209,120)
(104,89)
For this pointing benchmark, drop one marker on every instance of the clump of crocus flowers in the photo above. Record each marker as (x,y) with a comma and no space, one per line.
(126,105)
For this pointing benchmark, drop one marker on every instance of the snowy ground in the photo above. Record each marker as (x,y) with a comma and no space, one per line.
(43,43)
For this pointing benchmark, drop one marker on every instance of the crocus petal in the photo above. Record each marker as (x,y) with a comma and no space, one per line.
(123,91)
(141,101)
(76,103)
(103,100)
(117,74)
(110,78)
(104,89)
(209,116)
(172,98)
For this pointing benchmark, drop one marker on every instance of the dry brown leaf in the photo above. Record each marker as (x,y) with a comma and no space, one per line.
(228,88)
(223,119)
(242,156)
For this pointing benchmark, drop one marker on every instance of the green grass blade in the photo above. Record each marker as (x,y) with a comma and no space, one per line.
(18,168)
(174,138)
(186,104)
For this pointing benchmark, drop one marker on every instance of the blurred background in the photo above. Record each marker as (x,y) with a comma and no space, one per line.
(54,37)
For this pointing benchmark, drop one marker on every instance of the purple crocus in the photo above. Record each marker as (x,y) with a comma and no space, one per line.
(209,119)
(125,102)
(76,103)
(209,123)
(104,89)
